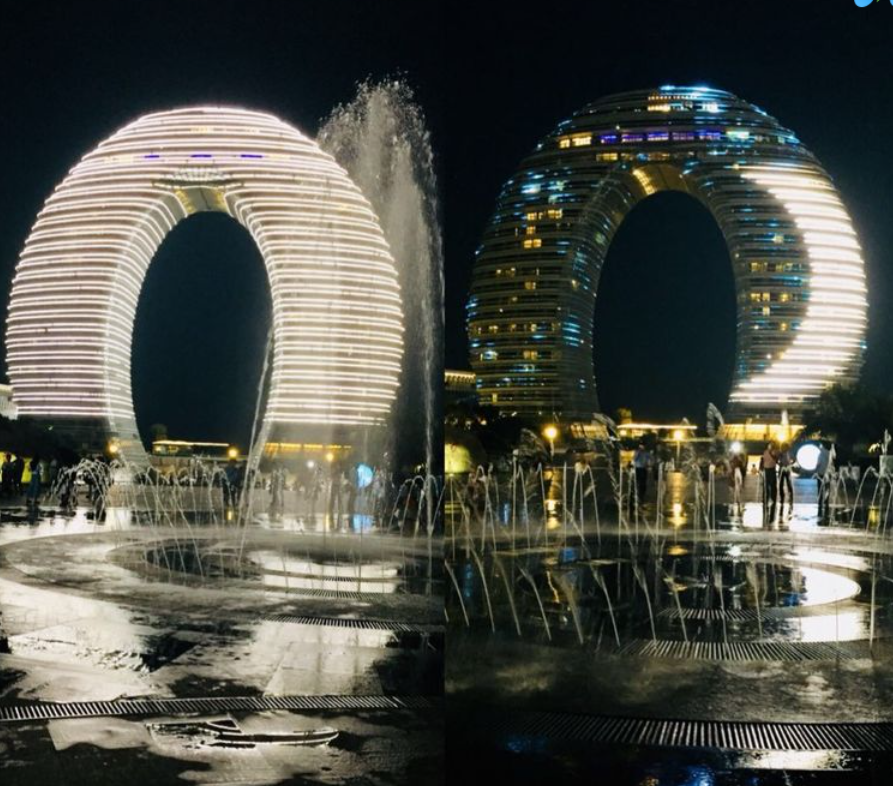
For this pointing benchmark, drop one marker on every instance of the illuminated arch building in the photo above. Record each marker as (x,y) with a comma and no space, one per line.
(798,266)
(337,316)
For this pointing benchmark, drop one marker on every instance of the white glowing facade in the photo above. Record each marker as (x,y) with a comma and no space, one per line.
(799,271)
(828,344)
(337,316)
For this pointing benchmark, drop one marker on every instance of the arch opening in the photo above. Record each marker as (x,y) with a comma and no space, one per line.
(664,325)
(200,333)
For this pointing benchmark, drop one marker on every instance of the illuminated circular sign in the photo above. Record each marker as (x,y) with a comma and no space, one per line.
(808,456)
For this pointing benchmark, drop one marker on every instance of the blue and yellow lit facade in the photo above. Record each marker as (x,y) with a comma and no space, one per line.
(798,266)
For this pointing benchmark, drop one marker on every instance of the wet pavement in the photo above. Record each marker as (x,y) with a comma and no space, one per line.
(89,617)
(727,619)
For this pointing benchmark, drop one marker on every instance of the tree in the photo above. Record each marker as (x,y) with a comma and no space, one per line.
(852,416)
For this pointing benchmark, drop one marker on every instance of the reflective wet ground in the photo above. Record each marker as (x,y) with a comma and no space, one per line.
(540,761)
(776,625)
(98,612)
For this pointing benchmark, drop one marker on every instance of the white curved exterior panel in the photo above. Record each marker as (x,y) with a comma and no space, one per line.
(337,317)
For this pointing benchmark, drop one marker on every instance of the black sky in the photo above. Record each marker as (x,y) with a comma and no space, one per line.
(493,79)
(821,68)
(71,73)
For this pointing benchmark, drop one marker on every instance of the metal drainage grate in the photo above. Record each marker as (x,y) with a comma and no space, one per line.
(328,594)
(745,615)
(216,704)
(730,735)
(358,624)
(748,651)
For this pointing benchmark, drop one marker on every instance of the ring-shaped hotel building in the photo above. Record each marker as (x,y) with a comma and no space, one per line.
(798,266)
(337,316)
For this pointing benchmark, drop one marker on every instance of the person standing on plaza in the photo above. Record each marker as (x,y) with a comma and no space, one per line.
(53,473)
(34,482)
(823,471)
(231,483)
(642,461)
(18,470)
(737,470)
(769,468)
(785,471)
(7,469)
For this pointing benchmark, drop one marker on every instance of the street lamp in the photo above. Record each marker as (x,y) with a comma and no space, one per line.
(233,452)
(550,432)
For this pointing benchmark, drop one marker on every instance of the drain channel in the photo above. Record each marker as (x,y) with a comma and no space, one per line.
(215,704)
(693,734)
(748,651)
(358,624)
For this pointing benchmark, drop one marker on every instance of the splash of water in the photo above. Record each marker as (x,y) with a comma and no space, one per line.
(382,140)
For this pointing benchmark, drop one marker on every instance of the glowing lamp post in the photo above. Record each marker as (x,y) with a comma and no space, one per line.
(550,432)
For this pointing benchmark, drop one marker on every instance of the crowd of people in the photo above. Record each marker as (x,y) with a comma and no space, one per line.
(777,465)
(333,489)
(776,470)
(41,474)
(338,490)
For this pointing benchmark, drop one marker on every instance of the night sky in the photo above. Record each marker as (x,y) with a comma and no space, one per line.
(492,83)
(73,73)
(821,68)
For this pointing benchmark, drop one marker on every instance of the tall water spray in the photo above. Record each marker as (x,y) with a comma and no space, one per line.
(381,139)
